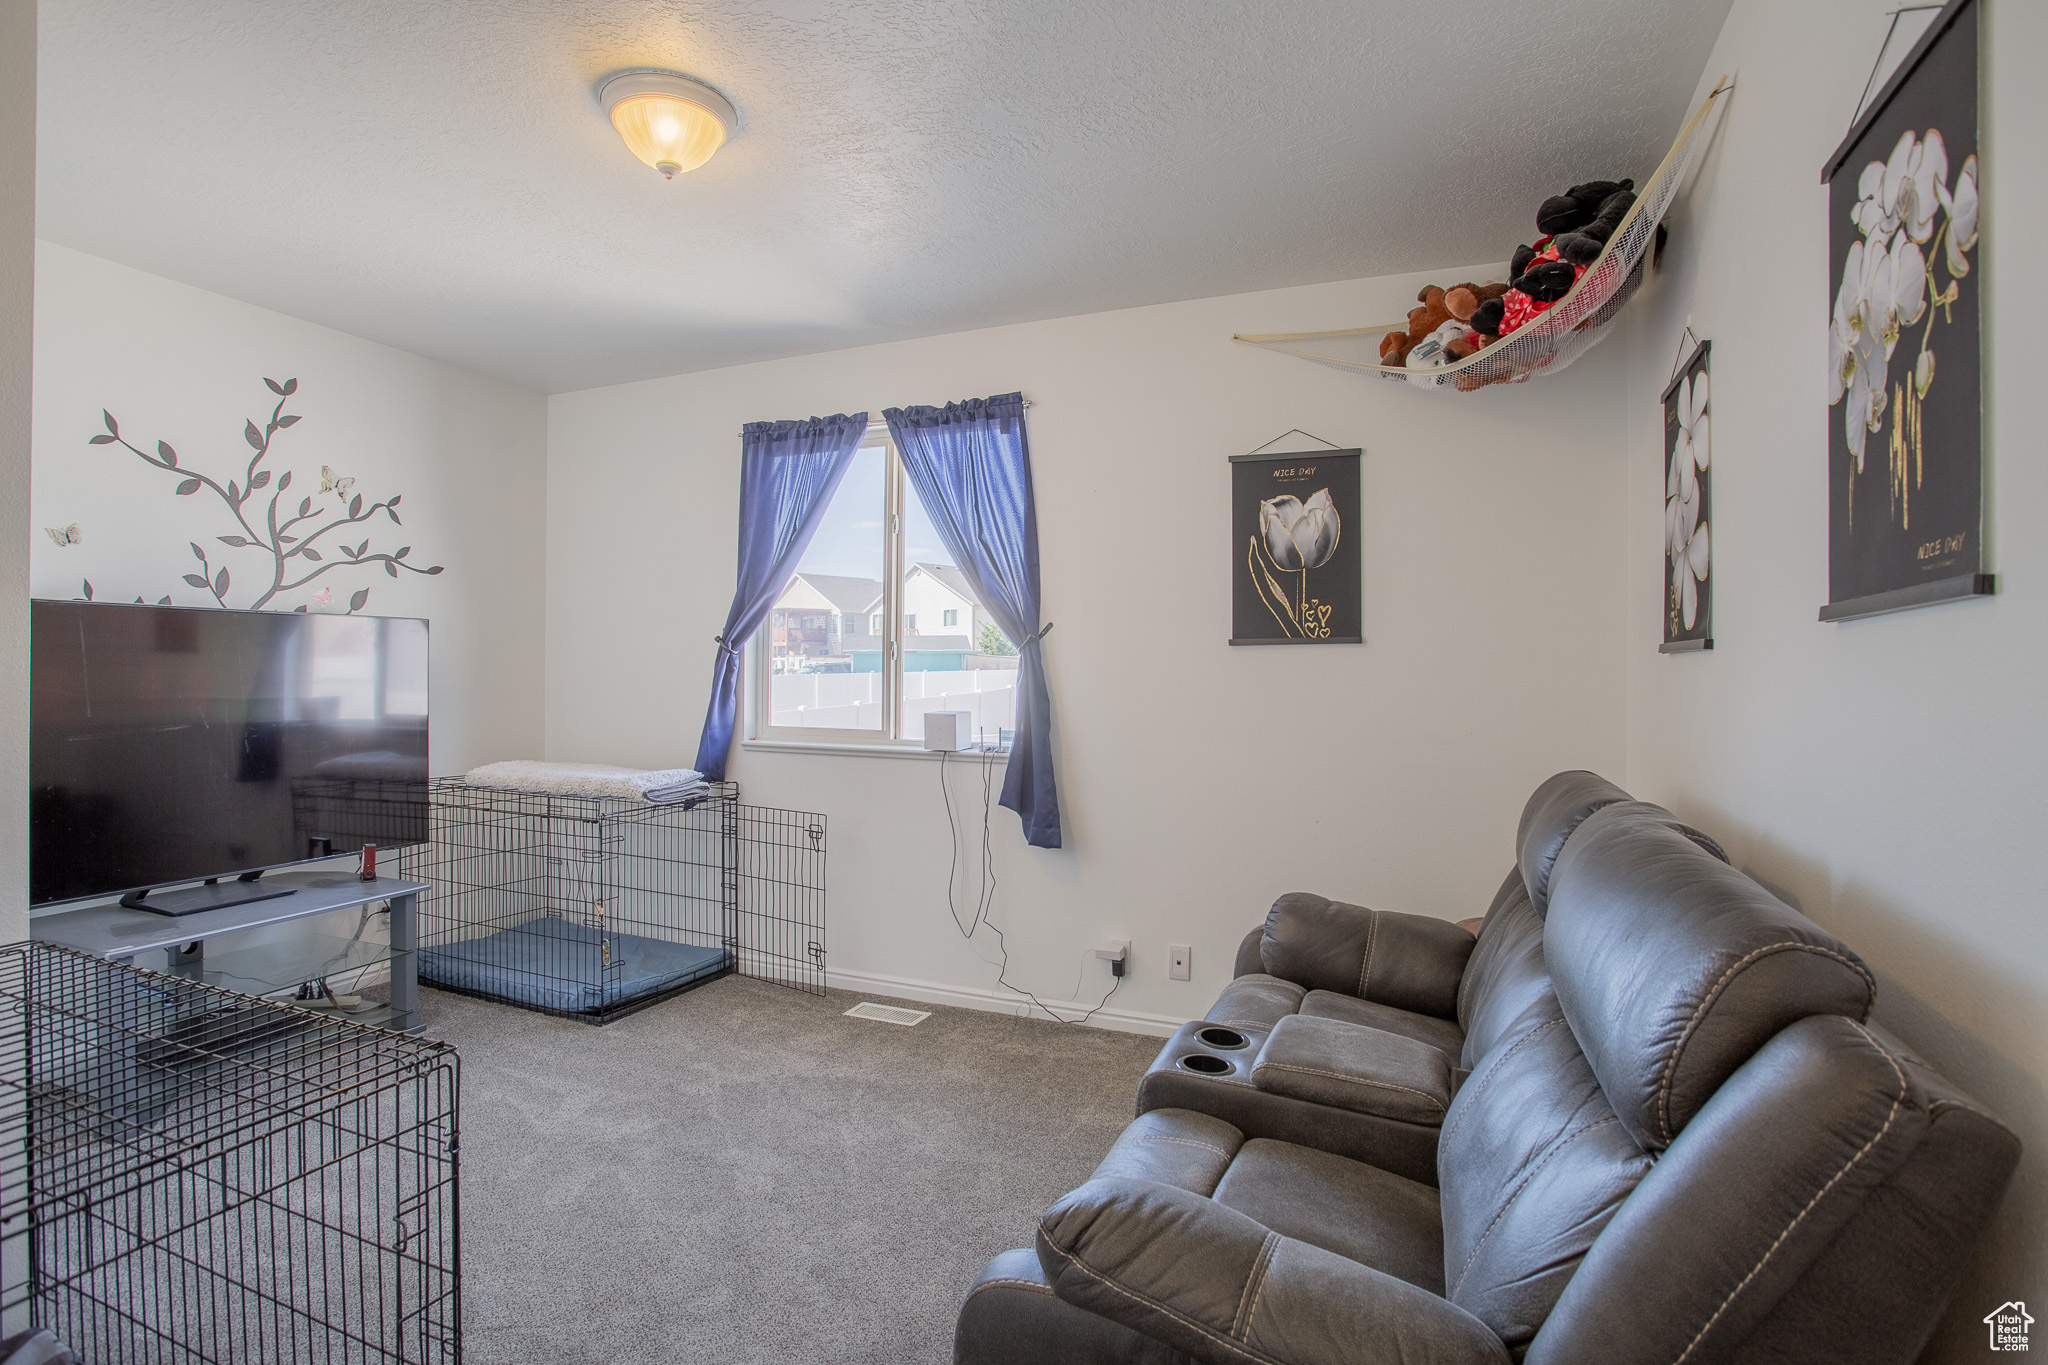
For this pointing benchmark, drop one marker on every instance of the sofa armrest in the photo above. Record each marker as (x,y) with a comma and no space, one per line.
(1412,962)
(1356,1067)
(1249,962)
(1222,1287)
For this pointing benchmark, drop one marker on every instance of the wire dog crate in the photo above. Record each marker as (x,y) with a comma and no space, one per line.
(592,908)
(193,1176)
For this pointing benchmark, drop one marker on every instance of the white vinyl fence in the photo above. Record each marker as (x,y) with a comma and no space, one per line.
(853,701)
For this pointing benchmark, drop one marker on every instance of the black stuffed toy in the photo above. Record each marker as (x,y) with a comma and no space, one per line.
(1576,226)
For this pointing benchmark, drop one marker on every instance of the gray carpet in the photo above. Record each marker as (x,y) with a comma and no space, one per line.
(741,1174)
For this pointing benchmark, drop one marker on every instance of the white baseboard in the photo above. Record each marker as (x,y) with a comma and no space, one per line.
(932,993)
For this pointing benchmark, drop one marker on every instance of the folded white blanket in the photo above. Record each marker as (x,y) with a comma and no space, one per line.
(375,765)
(661,785)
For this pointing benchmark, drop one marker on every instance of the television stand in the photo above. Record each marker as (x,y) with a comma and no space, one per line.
(213,894)
(269,969)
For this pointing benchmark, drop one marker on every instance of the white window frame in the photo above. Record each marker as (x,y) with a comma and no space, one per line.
(890,735)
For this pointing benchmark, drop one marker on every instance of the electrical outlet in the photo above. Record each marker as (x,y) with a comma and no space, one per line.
(1177,961)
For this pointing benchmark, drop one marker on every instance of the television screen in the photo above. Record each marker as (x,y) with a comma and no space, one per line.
(171,744)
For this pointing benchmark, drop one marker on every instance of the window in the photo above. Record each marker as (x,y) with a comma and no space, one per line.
(877,559)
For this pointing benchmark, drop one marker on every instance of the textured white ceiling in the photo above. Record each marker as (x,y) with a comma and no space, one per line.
(437,175)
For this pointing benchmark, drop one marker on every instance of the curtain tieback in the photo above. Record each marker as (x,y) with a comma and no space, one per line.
(1034,637)
(720,640)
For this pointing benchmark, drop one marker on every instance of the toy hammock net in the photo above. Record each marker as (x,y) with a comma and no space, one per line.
(1553,339)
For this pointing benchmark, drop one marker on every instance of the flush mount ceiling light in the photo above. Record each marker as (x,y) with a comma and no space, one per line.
(671,122)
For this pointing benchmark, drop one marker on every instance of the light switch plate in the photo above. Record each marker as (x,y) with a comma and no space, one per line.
(1177,959)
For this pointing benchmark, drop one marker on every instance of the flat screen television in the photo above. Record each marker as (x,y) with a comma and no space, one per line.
(175,744)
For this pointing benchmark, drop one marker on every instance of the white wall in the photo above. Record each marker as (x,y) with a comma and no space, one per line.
(1389,773)
(170,362)
(17,291)
(1888,776)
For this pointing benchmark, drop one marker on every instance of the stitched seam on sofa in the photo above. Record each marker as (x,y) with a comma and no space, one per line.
(1706,1002)
(1032,1285)
(1252,1284)
(1349,1079)
(1898,1102)
(1164,1309)
(1493,1071)
(1516,1193)
(1184,1142)
(1267,1255)
(1372,935)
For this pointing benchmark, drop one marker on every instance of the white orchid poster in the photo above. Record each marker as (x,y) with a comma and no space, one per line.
(1688,504)
(1295,549)
(1905,471)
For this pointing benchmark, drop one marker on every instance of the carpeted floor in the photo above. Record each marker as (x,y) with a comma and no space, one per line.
(740,1174)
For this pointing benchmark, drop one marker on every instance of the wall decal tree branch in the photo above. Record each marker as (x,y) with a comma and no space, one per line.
(301,536)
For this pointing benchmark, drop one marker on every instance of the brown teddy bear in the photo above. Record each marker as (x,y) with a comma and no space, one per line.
(1440,330)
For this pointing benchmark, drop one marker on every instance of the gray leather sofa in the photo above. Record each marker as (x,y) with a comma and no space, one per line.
(1349,1029)
(1685,1144)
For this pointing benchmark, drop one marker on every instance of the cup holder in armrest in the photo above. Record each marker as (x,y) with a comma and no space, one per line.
(1222,1039)
(1202,1064)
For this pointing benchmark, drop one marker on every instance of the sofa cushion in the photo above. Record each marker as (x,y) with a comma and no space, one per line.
(1532,1165)
(1412,962)
(1358,1211)
(1763,1231)
(1441,1034)
(1256,1001)
(1347,1066)
(1552,812)
(1674,968)
(1505,976)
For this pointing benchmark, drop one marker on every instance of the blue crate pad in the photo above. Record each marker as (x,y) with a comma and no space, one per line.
(555,964)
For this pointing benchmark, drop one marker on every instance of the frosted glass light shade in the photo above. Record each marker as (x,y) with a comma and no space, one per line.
(672,123)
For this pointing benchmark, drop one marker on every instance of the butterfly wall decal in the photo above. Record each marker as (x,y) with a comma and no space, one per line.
(63,535)
(330,482)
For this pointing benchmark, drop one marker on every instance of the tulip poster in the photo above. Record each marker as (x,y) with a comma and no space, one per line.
(1905,467)
(1294,549)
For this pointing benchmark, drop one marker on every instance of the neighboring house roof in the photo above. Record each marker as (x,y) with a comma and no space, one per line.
(951,577)
(854,595)
(942,644)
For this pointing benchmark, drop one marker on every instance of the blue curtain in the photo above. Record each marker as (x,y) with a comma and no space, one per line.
(971,467)
(788,473)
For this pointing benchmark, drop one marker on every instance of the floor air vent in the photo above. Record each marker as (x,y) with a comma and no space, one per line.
(888,1014)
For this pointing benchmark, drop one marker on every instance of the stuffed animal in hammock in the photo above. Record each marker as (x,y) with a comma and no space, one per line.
(1576,226)
(1439,331)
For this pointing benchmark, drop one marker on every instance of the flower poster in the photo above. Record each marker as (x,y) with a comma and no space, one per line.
(1688,501)
(1905,470)
(1294,549)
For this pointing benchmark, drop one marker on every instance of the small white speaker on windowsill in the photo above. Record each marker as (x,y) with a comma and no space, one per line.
(948,731)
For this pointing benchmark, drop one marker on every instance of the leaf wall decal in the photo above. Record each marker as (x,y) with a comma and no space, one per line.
(355,505)
(252,436)
(275,387)
(355,603)
(102,440)
(195,580)
(220,583)
(166,454)
(237,541)
(188,488)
